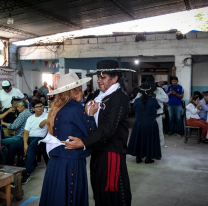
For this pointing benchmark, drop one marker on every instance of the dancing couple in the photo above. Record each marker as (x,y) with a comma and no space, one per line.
(99,130)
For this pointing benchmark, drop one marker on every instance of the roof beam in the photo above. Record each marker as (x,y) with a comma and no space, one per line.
(51,16)
(10,5)
(121,8)
(17,31)
(187,4)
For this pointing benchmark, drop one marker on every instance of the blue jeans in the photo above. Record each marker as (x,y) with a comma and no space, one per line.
(203,119)
(175,116)
(31,150)
(7,141)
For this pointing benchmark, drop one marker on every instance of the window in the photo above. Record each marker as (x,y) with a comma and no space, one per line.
(4,44)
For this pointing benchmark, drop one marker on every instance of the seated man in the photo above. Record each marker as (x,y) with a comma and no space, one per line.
(35,130)
(204,110)
(11,116)
(18,126)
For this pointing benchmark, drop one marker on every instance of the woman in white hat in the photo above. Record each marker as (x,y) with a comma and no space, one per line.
(65,181)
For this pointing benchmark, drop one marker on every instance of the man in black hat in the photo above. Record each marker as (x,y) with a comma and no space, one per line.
(175,93)
(161,98)
(109,175)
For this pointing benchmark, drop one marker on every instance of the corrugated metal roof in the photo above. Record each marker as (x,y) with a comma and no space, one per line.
(33,18)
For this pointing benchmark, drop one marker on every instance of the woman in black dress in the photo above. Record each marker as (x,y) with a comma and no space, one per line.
(144,140)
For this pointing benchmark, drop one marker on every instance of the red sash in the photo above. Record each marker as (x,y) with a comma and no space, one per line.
(113,171)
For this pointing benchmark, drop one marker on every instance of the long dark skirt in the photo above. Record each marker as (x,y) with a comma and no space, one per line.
(65,183)
(144,140)
(99,175)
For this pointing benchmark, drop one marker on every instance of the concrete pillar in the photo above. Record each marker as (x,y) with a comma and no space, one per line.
(62,67)
(184,74)
(63,71)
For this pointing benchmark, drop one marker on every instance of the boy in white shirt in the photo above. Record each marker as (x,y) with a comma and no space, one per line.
(35,130)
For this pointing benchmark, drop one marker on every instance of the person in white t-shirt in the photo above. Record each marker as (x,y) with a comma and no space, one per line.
(7,93)
(35,130)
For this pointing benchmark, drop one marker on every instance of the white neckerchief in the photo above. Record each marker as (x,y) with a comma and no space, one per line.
(101,96)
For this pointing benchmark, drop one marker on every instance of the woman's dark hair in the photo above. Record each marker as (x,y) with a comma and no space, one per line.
(46,102)
(36,101)
(194,98)
(144,98)
(121,79)
(90,88)
(42,96)
(197,93)
(35,92)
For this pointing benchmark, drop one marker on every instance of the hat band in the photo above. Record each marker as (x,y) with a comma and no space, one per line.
(145,89)
(69,85)
(117,69)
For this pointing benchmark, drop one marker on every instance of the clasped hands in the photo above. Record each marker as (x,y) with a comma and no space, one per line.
(91,108)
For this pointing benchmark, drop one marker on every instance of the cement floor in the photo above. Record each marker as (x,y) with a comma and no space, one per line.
(180,178)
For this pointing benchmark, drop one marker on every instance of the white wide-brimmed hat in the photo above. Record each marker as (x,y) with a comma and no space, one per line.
(69,81)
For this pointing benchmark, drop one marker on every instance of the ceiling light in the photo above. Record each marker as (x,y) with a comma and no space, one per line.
(10,19)
(136,61)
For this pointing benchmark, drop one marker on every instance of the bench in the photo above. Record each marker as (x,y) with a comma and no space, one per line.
(17,191)
(5,181)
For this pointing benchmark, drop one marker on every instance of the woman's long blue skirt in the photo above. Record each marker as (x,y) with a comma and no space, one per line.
(65,183)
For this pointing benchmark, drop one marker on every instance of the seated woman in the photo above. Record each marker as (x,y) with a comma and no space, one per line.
(65,181)
(193,119)
(35,95)
(144,140)
(43,100)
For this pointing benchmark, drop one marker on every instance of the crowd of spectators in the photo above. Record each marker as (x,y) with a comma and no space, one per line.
(23,118)
(23,124)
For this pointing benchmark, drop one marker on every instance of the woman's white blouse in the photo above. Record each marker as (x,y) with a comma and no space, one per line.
(192,112)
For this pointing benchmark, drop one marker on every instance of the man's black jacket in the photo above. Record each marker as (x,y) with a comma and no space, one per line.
(112,132)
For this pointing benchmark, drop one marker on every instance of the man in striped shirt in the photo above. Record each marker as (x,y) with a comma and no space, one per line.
(18,125)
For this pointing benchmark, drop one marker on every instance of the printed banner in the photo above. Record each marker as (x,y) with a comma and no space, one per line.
(8,74)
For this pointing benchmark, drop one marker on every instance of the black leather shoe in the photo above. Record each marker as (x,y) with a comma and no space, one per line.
(149,161)
(138,160)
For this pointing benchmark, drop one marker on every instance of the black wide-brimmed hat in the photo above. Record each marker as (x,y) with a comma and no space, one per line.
(150,80)
(109,66)
(146,88)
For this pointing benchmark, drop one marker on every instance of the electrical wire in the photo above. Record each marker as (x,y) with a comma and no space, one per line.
(186,62)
